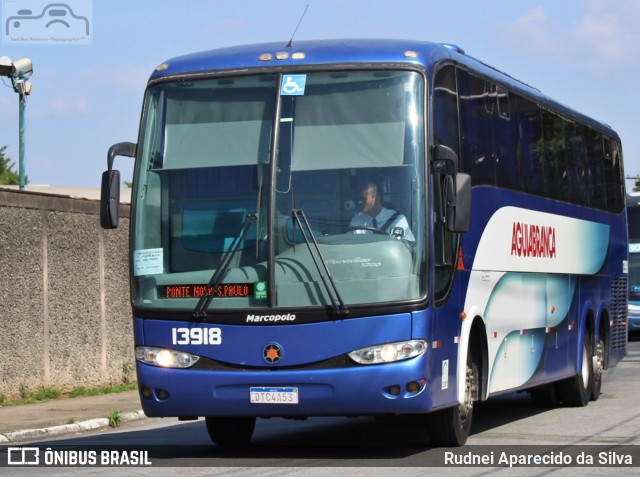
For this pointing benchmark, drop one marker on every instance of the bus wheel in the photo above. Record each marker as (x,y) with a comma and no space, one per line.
(576,391)
(598,369)
(451,426)
(230,431)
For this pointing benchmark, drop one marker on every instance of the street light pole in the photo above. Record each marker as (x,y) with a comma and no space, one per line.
(19,71)
(21,162)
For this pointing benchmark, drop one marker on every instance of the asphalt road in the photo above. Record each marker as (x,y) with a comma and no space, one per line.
(508,427)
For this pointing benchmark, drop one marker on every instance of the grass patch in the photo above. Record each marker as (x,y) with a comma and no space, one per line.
(118,388)
(114,418)
(46,394)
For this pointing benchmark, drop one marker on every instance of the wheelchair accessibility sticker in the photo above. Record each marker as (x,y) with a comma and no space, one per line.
(293,85)
(41,22)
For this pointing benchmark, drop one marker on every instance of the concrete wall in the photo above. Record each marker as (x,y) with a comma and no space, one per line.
(65,314)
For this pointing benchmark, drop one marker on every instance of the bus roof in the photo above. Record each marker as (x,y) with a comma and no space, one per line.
(241,59)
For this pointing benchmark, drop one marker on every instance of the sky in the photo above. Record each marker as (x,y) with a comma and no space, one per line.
(87,95)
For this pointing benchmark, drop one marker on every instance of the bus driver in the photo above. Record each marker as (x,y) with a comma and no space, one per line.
(373,214)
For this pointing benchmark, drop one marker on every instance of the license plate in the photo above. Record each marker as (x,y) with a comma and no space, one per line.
(273,395)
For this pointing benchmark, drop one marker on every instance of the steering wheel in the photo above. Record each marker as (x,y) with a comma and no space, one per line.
(367,228)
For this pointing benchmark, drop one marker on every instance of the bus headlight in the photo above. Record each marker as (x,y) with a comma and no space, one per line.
(165,358)
(389,352)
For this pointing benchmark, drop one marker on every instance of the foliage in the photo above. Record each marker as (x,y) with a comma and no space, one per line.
(7,175)
(24,392)
(114,418)
(128,371)
(43,394)
(28,397)
(118,388)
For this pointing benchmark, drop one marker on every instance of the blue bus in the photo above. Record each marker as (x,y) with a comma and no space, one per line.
(367,228)
(633,215)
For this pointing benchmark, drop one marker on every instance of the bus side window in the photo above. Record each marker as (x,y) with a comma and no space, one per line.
(445,103)
(555,160)
(505,133)
(613,175)
(445,127)
(619,174)
(531,146)
(477,106)
(595,170)
(576,170)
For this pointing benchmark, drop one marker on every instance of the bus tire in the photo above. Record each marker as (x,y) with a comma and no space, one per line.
(230,431)
(452,426)
(598,368)
(576,391)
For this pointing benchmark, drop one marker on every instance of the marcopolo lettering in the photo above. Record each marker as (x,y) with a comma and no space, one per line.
(529,240)
(270,318)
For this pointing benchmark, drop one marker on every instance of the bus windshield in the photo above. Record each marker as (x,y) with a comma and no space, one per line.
(633,213)
(634,271)
(292,191)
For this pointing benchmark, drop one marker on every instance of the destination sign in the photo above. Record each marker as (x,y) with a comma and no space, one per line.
(226,290)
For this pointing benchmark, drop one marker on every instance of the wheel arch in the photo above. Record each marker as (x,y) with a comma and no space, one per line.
(473,337)
(587,330)
(596,324)
(603,325)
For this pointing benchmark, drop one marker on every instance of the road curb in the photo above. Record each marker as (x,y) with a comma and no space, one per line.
(90,425)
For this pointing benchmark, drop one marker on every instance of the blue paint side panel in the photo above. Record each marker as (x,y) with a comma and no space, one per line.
(527,354)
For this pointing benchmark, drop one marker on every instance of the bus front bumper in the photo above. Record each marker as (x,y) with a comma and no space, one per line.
(396,388)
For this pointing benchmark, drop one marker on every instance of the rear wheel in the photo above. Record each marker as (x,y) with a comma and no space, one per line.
(230,431)
(451,426)
(598,369)
(576,391)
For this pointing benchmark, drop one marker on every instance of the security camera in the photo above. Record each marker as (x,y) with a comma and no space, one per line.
(22,87)
(23,66)
(6,66)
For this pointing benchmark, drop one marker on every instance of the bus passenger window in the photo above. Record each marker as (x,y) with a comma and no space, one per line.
(476,111)
(505,133)
(531,146)
(576,164)
(595,170)
(556,164)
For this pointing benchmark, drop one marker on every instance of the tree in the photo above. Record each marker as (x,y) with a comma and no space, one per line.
(7,175)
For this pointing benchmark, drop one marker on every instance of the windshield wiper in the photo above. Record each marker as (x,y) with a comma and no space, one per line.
(337,304)
(200,311)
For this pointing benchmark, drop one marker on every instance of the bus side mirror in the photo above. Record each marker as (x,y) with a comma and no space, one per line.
(110,187)
(444,160)
(110,199)
(459,208)
(457,188)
